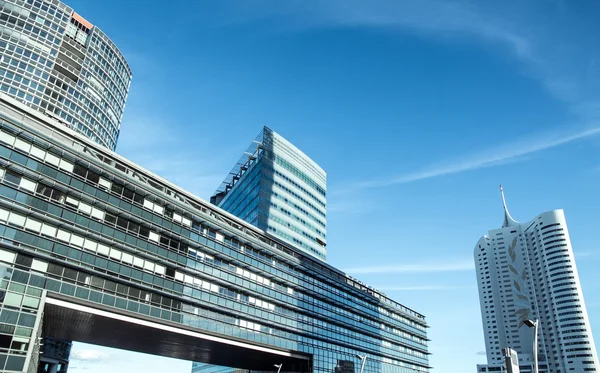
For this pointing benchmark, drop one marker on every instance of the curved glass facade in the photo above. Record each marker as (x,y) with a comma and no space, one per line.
(278,188)
(83,222)
(56,62)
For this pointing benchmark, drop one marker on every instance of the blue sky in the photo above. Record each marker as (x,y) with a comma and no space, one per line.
(417,110)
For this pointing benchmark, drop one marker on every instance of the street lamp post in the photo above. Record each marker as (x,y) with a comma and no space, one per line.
(278,366)
(363,360)
(534,324)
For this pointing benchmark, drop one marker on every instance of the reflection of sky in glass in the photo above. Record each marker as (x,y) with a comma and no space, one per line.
(5,273)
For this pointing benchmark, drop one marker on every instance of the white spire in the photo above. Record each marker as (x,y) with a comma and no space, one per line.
(508,220)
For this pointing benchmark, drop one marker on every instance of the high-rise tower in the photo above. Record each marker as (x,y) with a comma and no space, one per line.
(526,271)
(55,61)
(279,189)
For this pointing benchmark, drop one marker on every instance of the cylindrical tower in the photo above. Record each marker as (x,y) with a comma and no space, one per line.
(55,61)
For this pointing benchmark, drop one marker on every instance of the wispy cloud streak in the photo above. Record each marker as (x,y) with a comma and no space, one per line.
(499,155)
(565,64)
(413,268)
(432,17)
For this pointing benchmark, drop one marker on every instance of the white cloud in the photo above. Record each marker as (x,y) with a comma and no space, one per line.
(89,355)
(413,268)
(100,359)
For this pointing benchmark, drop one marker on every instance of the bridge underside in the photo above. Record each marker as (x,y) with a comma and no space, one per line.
(87,323)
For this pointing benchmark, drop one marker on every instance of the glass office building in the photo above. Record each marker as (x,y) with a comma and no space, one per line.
(55,61)
(279,189)
(82,225)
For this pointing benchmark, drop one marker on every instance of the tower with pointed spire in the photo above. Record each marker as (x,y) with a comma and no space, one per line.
(527,271)
(508,220)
